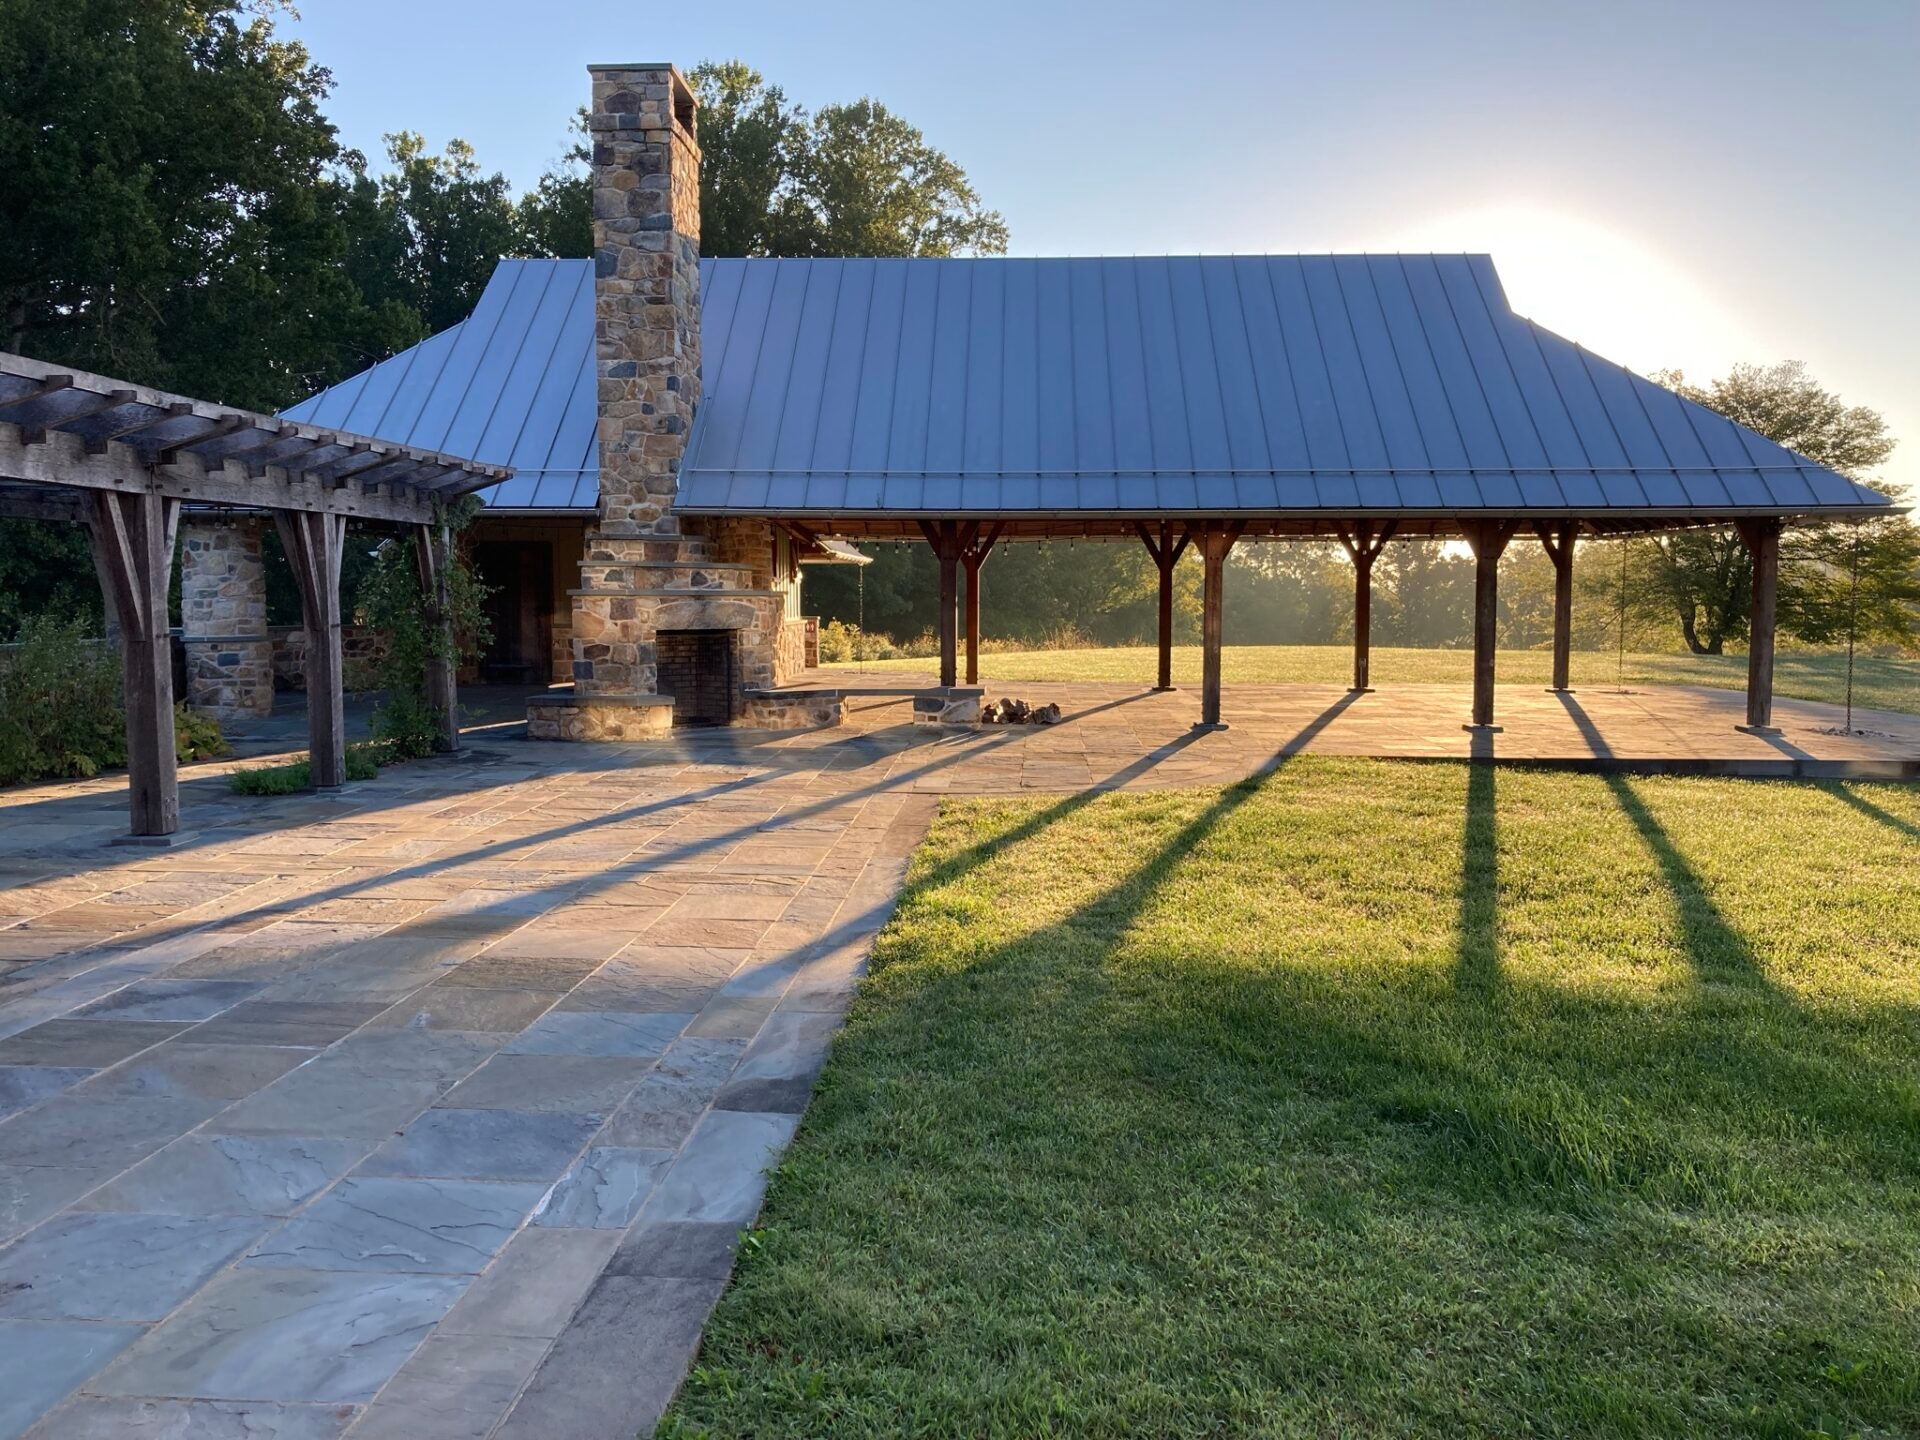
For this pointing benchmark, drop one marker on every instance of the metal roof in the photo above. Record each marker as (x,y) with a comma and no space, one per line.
(1282,385)
(1277,384)
(512,384)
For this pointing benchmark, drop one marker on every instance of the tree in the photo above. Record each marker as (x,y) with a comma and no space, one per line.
(171,217)
(429,232)
(1703,578)
(556,216)
(752,145)
(867,183)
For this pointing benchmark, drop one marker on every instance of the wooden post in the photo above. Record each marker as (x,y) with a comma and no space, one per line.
(314,543)
(433,556)
(132,538)
(973,555)
(1488,539)
(1558,541)
(944,537)
(1215,542)
(1763,541)
(1166,553)
(1363,545)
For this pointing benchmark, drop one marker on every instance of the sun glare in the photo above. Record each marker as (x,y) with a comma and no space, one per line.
(1613,293)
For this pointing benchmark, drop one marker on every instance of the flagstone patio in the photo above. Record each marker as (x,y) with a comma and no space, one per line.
(435,1107)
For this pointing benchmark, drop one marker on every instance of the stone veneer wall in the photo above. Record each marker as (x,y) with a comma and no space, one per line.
(223,617)
(790,659)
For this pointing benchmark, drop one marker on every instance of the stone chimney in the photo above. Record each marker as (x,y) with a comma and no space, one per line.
(646,267)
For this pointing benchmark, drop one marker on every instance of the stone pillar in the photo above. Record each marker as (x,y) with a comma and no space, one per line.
(646,265)
(223,617)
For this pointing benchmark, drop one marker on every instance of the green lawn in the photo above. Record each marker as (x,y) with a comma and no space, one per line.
(1883,684)
(1368,1099)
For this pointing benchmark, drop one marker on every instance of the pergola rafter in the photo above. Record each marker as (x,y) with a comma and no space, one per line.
(125,461)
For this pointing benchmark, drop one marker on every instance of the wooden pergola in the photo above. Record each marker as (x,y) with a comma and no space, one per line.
(124,459)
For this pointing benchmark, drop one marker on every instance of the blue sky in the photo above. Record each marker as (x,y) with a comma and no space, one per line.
(1669,184)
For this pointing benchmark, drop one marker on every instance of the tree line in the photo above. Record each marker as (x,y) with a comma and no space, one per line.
(182,213)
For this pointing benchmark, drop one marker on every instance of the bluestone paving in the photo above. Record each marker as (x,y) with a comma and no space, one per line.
(24,1085)
(44,1360)
(605,1189)
(230,1175)
(605,1032)
(448,1227)
(116,1267)
(544,1012)
(92,1418)
(260,1334)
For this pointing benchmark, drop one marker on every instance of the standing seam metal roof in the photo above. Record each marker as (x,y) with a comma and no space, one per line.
(1274,383)
(514,380)
(1269,384)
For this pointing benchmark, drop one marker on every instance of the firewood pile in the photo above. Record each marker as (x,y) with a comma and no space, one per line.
(1018,712)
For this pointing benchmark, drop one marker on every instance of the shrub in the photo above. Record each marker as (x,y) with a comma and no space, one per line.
(841,644)
(60,710)
(390,601)
(363,763)
(196,736)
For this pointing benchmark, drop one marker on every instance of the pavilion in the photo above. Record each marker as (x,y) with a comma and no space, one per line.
(1206,401)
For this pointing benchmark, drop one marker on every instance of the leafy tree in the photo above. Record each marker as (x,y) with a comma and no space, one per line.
(1703,578)
(556,216)
(429,232)
(753,143)
(867,183)
(171,217)
(849,180)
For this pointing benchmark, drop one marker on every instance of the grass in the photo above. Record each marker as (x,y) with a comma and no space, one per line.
(1879,683)
(363,763)
(1368,1099)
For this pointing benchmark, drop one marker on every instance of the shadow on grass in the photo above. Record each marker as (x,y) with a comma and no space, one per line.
(1066,1131)
(1718,952)
(1477,964)
(1847,795)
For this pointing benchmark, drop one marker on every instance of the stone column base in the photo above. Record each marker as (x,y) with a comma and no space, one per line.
(230,677)
(561,715)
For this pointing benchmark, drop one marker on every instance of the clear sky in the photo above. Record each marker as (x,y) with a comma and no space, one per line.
(1670,184)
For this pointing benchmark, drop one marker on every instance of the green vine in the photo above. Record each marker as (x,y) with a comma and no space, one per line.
(390,601)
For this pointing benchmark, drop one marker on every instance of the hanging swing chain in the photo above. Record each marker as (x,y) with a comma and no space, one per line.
(1853,616)
(1620,660)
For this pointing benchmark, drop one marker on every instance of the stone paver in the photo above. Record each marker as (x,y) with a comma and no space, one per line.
(436,1107)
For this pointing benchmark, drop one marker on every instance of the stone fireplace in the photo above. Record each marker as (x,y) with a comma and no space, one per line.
(648,587)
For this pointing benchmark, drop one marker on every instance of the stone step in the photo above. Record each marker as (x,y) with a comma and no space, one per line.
(658,575)
(657,591)
(643,550)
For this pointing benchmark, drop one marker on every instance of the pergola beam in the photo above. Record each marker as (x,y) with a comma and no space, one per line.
(62,460)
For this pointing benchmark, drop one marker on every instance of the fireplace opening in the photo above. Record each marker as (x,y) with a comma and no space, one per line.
(696,667)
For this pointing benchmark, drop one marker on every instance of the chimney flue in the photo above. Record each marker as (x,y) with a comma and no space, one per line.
(646,269)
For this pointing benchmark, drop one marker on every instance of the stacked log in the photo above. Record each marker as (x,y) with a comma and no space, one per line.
(1018,712)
